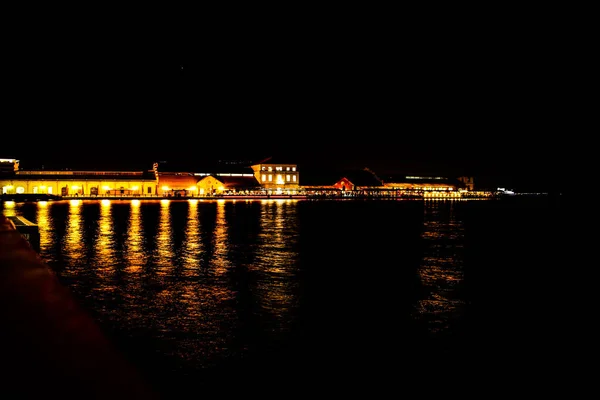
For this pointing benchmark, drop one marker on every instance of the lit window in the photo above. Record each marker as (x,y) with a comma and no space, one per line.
(270,178)
(35,189)
(264,178)
(279,168)
(293,168)
(270,168)
(288,177)
(287,168)
(280,179)
(50,189)
(294,178)
(20,189)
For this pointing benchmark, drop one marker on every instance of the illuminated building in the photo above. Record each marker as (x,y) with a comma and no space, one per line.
(428,186)
(213,179)
(80,183)
(8,166)
(268,177)
(274,175)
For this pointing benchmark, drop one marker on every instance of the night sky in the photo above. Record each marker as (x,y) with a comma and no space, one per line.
(426,92)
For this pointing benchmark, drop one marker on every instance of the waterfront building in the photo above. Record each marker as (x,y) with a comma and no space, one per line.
(427,186)
(274,175)
(210,179)
(80,183)
(8,166)
(266,177)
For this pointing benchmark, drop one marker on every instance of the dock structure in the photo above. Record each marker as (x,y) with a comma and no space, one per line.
(50,346)
(27,229)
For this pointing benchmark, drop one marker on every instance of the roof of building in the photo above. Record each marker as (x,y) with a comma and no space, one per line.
(177,182)
(238,182)
(83,175)
(319,177)
(441,180)
(91,164)
(363,177)
(206,167)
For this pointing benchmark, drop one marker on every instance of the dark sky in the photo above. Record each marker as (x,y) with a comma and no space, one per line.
(425,91)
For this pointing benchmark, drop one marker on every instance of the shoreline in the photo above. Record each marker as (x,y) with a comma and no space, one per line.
(25,198)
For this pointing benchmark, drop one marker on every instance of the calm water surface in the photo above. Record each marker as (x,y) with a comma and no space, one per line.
(248,296)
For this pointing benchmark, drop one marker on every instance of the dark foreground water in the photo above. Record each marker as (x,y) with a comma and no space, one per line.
(281,297)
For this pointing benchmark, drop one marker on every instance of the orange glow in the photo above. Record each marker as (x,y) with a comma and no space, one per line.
(135,254)
(105,242)
(193,244)
(73,238)
(9,208)
(44,226)
(164,239)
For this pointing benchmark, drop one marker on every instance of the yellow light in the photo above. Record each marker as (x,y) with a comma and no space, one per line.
(164,201)
(42,203)
(106,202)
(135,188)
(165,188)
(9,203)
(75,202)
(106,187)
(193,188)
(221,188)
(43,187)
(135,203)
(74,187)
(9,186)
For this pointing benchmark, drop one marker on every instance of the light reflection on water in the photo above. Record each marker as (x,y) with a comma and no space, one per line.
(47,237)
(8,208)
(163,256)
(197,283)
(275,266)
(441,270)
(73,243)
(134,253)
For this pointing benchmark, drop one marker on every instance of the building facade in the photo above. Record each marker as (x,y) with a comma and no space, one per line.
(80,183)
(276,176)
